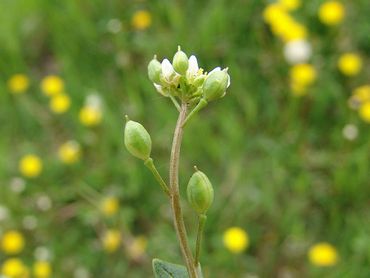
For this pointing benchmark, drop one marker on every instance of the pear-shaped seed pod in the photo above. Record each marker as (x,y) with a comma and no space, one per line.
(200,192)
(154,70)
(137,140)
(180,62)
(215,85)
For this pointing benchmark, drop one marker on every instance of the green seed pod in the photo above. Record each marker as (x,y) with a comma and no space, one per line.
(154,70)
(180,62)
(200,192)
(137,140)
(215,85)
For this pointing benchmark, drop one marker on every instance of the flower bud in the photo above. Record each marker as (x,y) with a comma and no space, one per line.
(180,62)
(137,140)
(215,85)
(200,192)
(154,70)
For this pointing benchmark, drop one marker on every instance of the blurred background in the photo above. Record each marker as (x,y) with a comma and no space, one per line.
(287,149)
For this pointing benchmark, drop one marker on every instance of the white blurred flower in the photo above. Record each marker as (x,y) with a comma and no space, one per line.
(298,51)
(42,253)
(17,185)
(114,25)
(94,100)
(350,132)
(81,272)
(29,222)
(43,203)
(4,213)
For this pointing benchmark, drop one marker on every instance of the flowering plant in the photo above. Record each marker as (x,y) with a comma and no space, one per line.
(190,89)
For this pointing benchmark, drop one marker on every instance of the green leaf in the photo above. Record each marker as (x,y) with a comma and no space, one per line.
(163,269)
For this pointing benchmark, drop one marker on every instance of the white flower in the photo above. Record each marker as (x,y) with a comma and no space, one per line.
(167,69)
(193,66)
(298,51)
(350,132)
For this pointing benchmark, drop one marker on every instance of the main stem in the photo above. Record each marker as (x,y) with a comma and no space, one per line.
(175,195)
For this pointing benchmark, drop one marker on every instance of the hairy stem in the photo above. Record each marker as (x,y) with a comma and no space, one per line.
(175,195)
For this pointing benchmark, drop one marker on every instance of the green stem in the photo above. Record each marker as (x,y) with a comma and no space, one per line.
(201,104)
(175,195)
(201,222)
(150,164)
(177,105)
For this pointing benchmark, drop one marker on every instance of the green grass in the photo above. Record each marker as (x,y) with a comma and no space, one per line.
(280,166)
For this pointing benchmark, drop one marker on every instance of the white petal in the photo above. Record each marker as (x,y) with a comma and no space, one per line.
(193,65)
(159,89)
(167,69)
(228,81)
(214,70)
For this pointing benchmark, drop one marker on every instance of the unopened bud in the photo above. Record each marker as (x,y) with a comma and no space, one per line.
(200,192)
(215,85)
(154,70)
(137,140)
(180,62)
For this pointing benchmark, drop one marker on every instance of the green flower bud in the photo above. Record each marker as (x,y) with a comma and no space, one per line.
(215,85)
(180,62)
(137,140)
(200,192)
(154,70)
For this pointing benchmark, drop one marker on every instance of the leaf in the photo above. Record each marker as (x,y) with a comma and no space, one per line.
(163,269)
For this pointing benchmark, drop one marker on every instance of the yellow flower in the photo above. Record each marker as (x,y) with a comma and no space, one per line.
(30,166)
(290,5)
(18,83)
(273,12)
(111,240)
(69,152)
(359,96)
(364,112)
(60,103)
(52,85)
(236,239)
(137,247)
(303,74)
(323,254)
(12,242)
(41,269)
(141,20)
(14,268)
(331,12)
(294,31)
(90,115)
(109,206)
(350,64)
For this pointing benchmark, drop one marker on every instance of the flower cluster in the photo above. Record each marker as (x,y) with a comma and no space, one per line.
(360,101)
(184,79)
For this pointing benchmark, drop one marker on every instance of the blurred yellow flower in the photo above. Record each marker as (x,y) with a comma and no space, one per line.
(41,269)
(141,20)
(323,254)
(137,247)
(236,240)
(360,95)
(12,242)
(274,12)
(69,152)
(294,31)
(109,206)
(111,240)
(18,83)
(364,112)
(59,103)
(30,166)
(290,5)
(350,64)
(90,115)
(14,268)
(52,85)
(303,74)
(331,12)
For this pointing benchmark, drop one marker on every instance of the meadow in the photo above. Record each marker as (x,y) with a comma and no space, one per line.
(287,149)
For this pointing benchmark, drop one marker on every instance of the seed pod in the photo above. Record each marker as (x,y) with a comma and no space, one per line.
(180,62)
(215,85)
(200,192)
(137,140)
(154,70)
